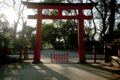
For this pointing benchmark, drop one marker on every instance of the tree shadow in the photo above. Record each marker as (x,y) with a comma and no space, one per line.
(28,71)
(101,68)
(99,71)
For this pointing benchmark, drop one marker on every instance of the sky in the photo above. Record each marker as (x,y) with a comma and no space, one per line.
(10,13)
(30,22)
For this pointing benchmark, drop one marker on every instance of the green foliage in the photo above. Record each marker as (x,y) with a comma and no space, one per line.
(26,37)
(32,41)
(50,34)
(51,12)
(20,43)
(4,38)
(117,31)
(68,31)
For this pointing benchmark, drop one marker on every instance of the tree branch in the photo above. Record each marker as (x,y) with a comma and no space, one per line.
(105,5)
(97,9)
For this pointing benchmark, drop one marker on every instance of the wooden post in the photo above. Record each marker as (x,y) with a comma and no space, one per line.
(104,52)
(107,51)
(6,53)
(118,52)
(20,51)
(51,57)
(94,54)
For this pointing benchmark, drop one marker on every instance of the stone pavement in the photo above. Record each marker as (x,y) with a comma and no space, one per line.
(58,70)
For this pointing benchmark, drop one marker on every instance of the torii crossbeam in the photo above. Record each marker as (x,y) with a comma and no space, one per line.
(60,6)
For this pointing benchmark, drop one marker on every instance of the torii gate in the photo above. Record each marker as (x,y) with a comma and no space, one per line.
(60,6)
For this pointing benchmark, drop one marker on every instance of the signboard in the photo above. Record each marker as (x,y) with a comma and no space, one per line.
(11,44)
(2,43)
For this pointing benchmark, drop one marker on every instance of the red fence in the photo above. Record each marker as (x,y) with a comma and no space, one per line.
(96,51)
(59,57)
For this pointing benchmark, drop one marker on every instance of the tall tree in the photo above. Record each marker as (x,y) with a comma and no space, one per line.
(111,18)
(107,9)
(27,35)
(50,34)
(17,7)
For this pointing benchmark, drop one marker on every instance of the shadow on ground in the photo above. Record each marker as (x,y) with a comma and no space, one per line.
(28,71)
(13,70)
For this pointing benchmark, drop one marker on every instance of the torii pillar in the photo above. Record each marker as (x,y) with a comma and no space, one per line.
(37,53)
(60,6)
(81,48)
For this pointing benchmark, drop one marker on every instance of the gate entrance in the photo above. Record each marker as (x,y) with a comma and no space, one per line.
(60,6)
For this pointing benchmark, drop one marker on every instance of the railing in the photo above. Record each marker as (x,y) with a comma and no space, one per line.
(54,57)
(59,57)
(96,51)
(16,51)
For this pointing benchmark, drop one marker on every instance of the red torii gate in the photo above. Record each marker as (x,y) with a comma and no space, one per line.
(60,7)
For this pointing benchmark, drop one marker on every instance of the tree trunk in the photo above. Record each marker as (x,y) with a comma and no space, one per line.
(111,18)
(65,42)
(15,27)
(107,52)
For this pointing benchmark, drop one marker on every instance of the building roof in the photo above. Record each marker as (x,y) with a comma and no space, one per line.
(115,42)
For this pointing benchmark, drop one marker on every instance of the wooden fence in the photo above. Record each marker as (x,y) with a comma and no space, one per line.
(16,51)
(19,51)
(95,51)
